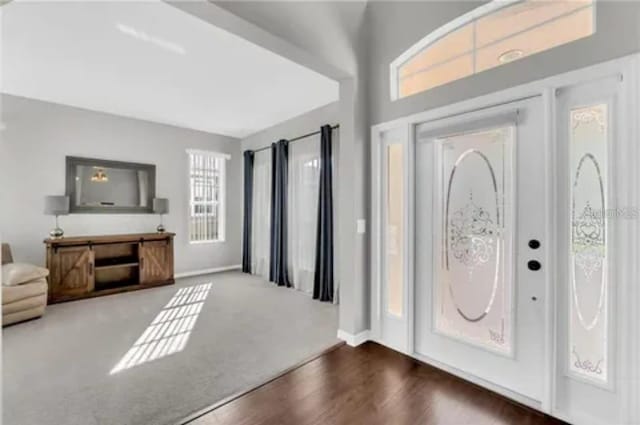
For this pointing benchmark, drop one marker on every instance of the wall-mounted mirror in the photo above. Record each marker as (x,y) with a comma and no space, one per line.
(103,186)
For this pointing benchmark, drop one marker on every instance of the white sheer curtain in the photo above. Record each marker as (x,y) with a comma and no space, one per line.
(304,186)
(335,150)
(261,216)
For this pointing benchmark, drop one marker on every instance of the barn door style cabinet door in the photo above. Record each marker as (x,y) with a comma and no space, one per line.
(90,266)
(156,261)
(71,272)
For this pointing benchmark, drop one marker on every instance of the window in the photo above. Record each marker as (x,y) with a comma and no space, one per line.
(206,196)
(489,36)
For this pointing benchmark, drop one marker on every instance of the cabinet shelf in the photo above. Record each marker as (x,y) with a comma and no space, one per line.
(109,263)
(114,266)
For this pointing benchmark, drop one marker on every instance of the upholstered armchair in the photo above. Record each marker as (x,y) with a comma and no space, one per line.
(24,290)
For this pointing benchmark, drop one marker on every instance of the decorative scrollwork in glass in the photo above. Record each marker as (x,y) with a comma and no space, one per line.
(472,234)
(474,229)
(588,239)
(588,115)
(497,337)
(587,365)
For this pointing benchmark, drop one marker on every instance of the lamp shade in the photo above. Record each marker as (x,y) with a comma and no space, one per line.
(160,205)
(56,205)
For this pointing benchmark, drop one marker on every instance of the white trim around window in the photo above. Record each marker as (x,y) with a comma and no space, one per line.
(209,153)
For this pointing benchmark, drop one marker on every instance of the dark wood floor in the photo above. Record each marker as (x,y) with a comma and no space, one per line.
(370,385)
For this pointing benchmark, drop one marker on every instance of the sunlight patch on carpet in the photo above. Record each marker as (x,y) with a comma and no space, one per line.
(169,332)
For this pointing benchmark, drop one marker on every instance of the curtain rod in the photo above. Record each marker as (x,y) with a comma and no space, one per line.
(295,139)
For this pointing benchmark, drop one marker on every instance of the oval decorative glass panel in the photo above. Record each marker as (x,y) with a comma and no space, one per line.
(588,241)
(588,318)
(471,234)
(473,288)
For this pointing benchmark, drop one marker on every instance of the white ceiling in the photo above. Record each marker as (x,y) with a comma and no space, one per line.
(151,61)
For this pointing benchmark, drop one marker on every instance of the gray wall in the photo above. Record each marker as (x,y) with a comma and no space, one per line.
(326,29)
(395,26)
(333,33)
(363,45)
(303,124)
(33,147)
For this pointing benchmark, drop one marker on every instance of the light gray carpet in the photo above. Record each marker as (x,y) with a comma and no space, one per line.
(57,369)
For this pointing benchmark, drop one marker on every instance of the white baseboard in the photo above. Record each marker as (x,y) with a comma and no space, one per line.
(354,340)
(208,271)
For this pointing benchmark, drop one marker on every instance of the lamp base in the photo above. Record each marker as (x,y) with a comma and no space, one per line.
(160,228)
(56,233)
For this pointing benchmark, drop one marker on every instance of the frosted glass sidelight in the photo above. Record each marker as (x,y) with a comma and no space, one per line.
(588,128)
(474,285)
(395,230)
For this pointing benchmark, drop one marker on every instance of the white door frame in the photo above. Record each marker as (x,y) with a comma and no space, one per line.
(627,68)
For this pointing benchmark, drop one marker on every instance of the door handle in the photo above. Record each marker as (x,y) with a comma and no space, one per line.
(142,263)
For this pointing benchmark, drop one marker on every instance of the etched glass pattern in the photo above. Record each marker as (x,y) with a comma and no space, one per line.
(588,268)
(473,278)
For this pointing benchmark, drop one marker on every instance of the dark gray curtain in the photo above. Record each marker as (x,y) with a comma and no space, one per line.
(248,211)
(279,182)
(323,276)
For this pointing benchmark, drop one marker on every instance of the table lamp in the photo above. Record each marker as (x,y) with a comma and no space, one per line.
(160,206)
(56,205)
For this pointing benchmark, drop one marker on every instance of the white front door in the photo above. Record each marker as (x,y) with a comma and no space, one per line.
(481,217)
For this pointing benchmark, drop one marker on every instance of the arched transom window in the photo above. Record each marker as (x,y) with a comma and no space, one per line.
(496,33)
